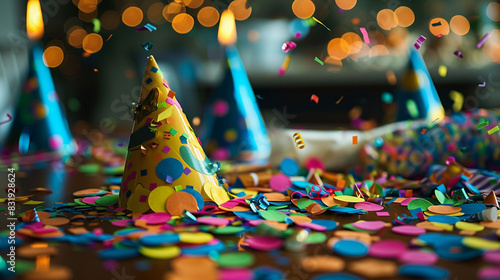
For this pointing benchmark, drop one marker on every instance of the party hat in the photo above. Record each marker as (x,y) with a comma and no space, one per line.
(417,96)
(491,199)
(166,169)
(39,123)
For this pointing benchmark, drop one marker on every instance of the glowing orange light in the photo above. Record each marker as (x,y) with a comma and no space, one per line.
(183,23)
(346,4)
(303,8)
(460,25)
(132,16)
(171,10)
(387,19)
(338,48)
(208,16)
(92,43)
(34,20)
(53,56)
(493,11)
(239,9)
(378,50)
(227,29)
(405,16)
(155,13)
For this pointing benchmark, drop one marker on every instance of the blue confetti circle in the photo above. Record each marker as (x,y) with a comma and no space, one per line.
(350,248)
(289,167)
(423,271)
(169,167)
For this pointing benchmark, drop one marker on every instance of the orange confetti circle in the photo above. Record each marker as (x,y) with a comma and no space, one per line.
(439,30)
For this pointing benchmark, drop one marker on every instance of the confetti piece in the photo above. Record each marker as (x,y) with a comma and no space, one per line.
(391,78)
(284,66)
(423,131)
(355,140)
(493,130)
(483,124)
(412,108)
(10,119)
(483,40)
(365,35)
(259,97)
(458,100)
(95,70)
(338,101)
(442,70)
(383,214)
(298,35)
(319,61)
(288,46)
(315,98)
(482,85)
(147,46)
(299,142)
(109,37)
(316,20)
(434,120)
(437,24)
(458,53)
(97,25)
(419,42)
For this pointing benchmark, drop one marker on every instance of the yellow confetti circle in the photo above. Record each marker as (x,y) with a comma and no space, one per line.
(469,226)
(479,243)
(160,252)
(349,198)
(195,237)
(158,198)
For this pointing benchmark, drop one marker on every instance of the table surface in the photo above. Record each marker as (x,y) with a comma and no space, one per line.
(85,264)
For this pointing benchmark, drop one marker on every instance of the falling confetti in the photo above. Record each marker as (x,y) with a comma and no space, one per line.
(288,46)
(315,98)
(338,101)
(482,85)
(419,42)
(299,142)
(10,118)
(436,24)
(442,71)
(147,46)
(365,35)
(483,40)
(458,100)
(459,54)
(316,20)
(319,61)
(493,130)
(355,140)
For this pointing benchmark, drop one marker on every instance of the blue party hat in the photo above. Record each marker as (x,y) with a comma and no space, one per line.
(417,97)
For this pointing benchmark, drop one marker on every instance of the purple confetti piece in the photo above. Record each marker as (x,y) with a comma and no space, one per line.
(288,46)
(483,40)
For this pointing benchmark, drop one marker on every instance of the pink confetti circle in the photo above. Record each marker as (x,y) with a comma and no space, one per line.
(236,274)
(312,226)
(388,249)
(90,199)
(156,218)
(492,257)
(406,201)
(408,230)
(264,243)
(489,273)
(122,223)
(368,206)
(418,257)
(213,221)
(315,163)
(369,225)
(55,142)
(220,108)
(280,182)
(221,153)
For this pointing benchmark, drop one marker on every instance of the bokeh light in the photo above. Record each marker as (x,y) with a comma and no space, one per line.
(87,6)
(333,64)
(493,11)
(253,35)
(92,43)
(387,19)
(208,16)
(155,13)
(355,21)
(442,29)
(110,20)
(361,54)
(346,4)
(87,17)
(354,41)
(193,4)
(338,48)
(378,50)
(459,25)
(53,56)
(405,16)
(132,16)
(75,36)
(183,23)
(240,10)
(171,10)
(303,8)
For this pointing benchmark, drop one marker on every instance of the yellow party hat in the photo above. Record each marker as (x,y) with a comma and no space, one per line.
(165,156)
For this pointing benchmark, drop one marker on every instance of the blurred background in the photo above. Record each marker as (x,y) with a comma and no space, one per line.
(97,58)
